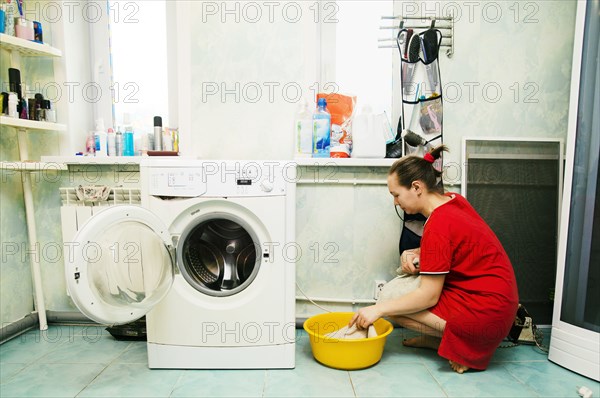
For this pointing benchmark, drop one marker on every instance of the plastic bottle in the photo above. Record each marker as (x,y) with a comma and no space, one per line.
(100,138)
(50,113)
(303,131)
(24,103)
(118,142)
(13,101)
(128,139)
(9,27)
(145,144)
(90,145)
(112,142)
(321,130)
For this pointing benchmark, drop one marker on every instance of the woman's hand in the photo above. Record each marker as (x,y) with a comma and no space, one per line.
(365,317)
(409,260)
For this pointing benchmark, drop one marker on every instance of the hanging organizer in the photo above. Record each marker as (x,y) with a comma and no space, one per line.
(421,118)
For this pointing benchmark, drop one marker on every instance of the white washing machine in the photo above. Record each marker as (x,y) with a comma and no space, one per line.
(204,258)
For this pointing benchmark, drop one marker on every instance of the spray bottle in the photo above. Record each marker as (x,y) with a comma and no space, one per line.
(118,142)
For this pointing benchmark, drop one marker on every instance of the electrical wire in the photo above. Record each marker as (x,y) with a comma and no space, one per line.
(397,213)
(309,299)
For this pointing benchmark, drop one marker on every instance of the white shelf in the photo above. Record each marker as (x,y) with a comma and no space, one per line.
(99,160)
(28,48)
(32,166)
(135,160)
(341,162)
(31,124)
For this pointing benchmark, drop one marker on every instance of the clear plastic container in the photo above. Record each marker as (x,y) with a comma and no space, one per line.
(303,131)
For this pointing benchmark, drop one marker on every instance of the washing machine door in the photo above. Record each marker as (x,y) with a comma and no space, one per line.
(120,264)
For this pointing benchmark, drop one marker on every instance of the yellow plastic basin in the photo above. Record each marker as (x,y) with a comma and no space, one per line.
(341,353)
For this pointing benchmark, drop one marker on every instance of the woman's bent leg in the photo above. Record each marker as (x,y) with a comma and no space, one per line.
(424,322)
(432,328)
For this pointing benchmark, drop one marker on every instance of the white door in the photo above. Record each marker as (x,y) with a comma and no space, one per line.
(120,264)
(575,340)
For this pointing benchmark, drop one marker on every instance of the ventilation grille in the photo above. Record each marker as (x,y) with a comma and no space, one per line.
(515,187)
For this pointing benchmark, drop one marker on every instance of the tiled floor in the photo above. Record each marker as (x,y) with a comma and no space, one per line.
(69,361)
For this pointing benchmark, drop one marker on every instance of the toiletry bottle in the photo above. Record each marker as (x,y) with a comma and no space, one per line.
(175,138)
(50,113)
(24,108)
(100,138)
(90,145)
(2,17)
(118,142)
(303,131)
(9,26)
(13,101)
(158,133)
(128,139)
(321,130)
(111,142)
(167,140)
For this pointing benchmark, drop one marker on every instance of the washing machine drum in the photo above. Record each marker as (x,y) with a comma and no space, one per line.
(218,257)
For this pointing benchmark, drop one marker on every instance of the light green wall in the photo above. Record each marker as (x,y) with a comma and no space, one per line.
(16,292)
(518,68)
(357,221)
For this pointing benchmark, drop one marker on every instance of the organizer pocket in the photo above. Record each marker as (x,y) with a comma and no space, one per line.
(409,83)
(431,116)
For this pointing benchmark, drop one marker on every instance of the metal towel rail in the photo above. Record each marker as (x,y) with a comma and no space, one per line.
(418,23)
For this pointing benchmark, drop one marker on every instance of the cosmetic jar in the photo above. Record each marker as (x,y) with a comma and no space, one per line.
(24,28)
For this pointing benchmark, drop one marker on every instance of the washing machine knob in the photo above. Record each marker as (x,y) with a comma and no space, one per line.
(266,186)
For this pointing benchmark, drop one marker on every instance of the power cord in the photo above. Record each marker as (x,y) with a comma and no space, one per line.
(309,299)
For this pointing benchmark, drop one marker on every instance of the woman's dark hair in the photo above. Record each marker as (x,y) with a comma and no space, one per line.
(413,168)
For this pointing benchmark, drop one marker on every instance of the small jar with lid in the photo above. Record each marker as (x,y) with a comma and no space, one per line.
(24,28)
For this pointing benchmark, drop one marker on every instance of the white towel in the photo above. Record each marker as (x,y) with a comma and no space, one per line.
(399,286)
(353,332)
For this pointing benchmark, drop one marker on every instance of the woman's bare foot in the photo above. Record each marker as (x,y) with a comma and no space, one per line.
(458,368)
(423,341)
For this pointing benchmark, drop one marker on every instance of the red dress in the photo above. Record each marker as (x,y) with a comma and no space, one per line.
(479,299)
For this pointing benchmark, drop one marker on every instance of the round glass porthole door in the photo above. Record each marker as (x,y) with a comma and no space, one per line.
(120,265)
(219,256)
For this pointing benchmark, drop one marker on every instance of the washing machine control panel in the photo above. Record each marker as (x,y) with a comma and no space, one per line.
(177,182)
(245,178)
(221,179)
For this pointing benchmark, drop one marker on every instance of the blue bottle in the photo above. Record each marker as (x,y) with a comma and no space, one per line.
(128,144)
(321,130)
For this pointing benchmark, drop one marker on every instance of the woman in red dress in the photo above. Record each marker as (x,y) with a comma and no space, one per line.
(467,300)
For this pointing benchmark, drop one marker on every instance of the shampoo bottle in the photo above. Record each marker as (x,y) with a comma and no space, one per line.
(100,138)
(303,132)
(321,130)
(128,140)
